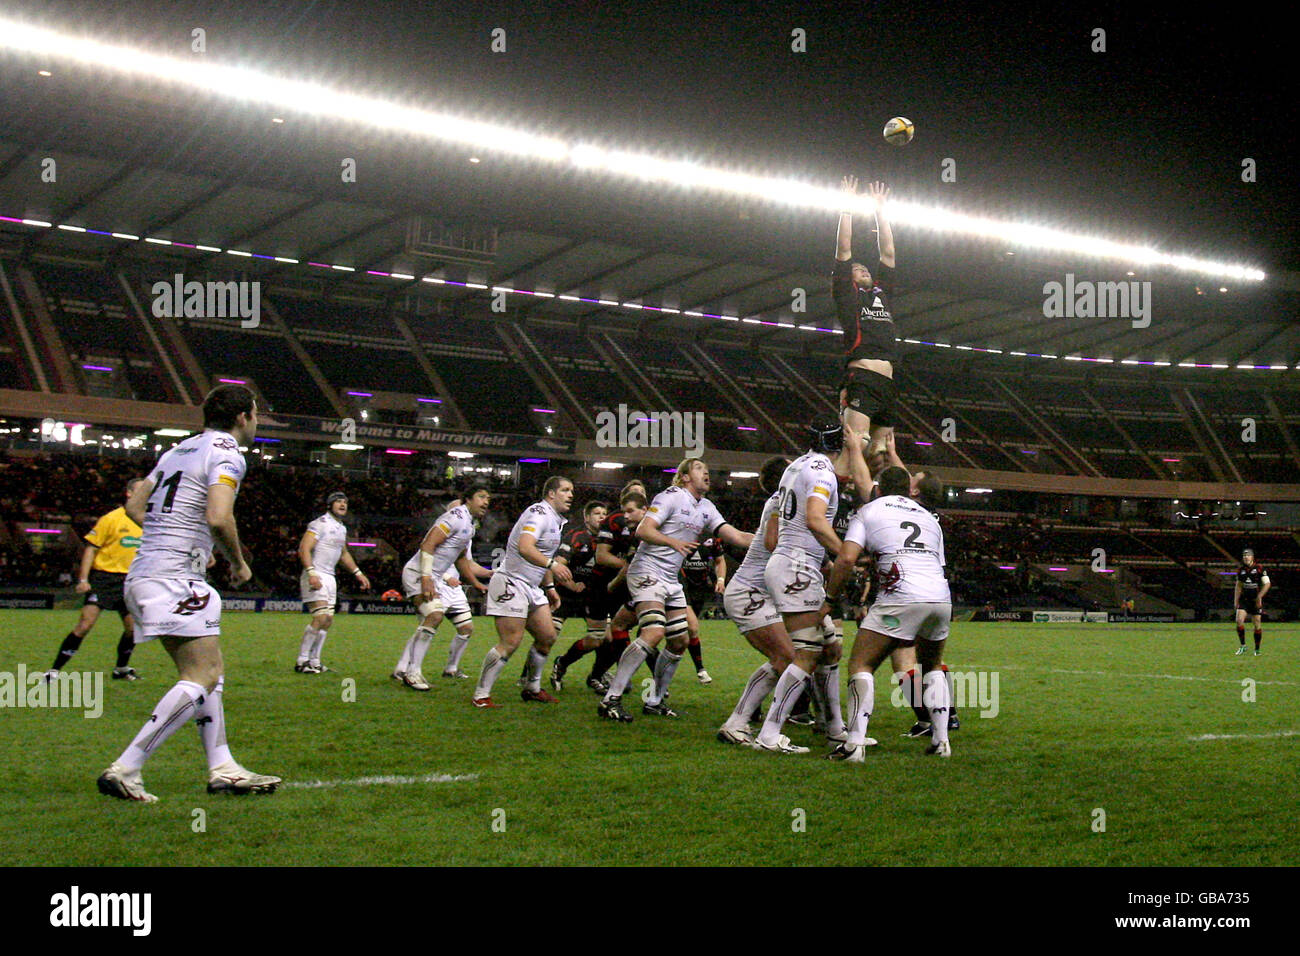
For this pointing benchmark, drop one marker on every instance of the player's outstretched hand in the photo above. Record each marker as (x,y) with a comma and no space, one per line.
(878,192)
(849,186)
(684,548)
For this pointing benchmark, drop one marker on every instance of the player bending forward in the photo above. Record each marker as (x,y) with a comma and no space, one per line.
(424,583)
(186,505)
(670,530)
(522,594)
(324,544)
(914,602)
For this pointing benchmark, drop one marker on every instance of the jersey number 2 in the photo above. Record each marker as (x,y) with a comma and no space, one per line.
(912,539)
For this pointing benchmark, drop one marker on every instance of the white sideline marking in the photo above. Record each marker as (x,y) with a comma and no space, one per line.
(1279,733)
(1058,670)
(388,781)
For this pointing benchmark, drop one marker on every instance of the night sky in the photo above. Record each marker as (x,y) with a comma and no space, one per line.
(1143,141)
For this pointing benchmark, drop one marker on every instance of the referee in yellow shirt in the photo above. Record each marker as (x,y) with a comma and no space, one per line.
(110,548)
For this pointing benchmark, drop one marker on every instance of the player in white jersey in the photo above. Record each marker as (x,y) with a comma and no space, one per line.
(323,546)
(800,537)
(672,527)
(183,506)
(914,604)
(446,545)
(522,594)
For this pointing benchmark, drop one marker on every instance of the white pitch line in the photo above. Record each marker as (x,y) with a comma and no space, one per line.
(389,781)
(1058,670)
(1279,733)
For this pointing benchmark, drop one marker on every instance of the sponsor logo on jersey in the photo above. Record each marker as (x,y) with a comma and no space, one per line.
(130,541)
(507,591)
(645,582)
(226,443)
(800,583)
(891,579)
(755,599)
(192,604)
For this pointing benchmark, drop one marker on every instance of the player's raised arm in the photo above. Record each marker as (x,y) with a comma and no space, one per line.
(221,519)
(880,193)
(734,537)
(844,237)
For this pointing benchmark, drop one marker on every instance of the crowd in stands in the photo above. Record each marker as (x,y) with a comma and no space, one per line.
(988,558)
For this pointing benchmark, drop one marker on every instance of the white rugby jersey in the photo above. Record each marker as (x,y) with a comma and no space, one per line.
(678,514)
(908,546)
(750,572)
(331,539)
(458,525)
(544,523)
(811,474)
(177,542)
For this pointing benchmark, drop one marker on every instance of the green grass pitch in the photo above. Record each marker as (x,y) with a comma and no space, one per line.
(1089,716)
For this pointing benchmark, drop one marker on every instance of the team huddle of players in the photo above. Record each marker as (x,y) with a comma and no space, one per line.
(800,577)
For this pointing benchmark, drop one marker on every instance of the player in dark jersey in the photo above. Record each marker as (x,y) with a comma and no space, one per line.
(867,394)
(1248,599)
(615,543)
(704,578)
(578,551)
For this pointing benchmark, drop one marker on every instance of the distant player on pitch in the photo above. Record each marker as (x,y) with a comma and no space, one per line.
(1248,599)
(185,507)
(110,546)
(323,546)
(445,545)
(523,594)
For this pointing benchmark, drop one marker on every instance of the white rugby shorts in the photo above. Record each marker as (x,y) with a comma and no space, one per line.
(648,587)
(749,607)
(907,622)
(172,607)
(508,597)
(328,592)
(795,582)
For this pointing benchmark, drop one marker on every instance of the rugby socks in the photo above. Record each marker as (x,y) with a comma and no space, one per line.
(72,642)
(210,717)
(1241,634)
(936,699)
(609,653)
(573,654)
(788,689)
(175,709)
(910,684)
(493,664)
(318,645)
(827,681)
(1259,636)
(536,661)
(665,668)
(459,641)
(952,698)
(125,645)
(759,685)
(697,654)
(308,642)
(862,700)
(631,659)
(420,642)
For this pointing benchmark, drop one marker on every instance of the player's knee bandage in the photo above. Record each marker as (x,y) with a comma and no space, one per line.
(429,607)
(676,629)
(808,638)
(461,618)
(651,618)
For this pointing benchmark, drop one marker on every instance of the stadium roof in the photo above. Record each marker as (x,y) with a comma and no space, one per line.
(139,160)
